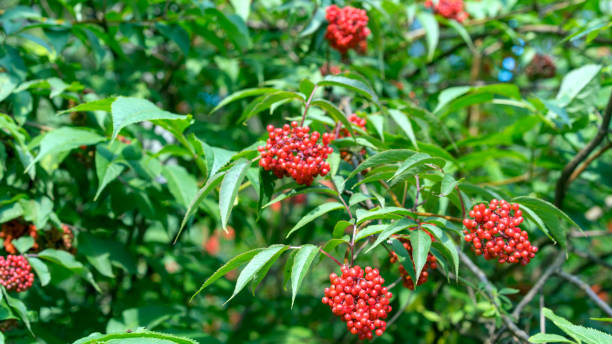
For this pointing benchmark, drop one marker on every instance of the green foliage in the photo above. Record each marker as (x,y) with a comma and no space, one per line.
(129,135)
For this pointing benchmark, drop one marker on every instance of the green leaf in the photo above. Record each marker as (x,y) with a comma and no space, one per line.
(64,139)
(386,157)
(140,336)
(402,120)
(176,33)
(23,244)
(421,242)
(41,270)
(315,22)
(108,164)
(445,244)
(62,258)
(96,105)
(382,213)
(264,102)
(242,94)
(255,265)
(351,84)
(546,209)
(432,32)
(227,267)
(19,308)
(126,111)
(370,230)
(405,259)
(335,113)
(393,228)
(579,333)
(314,214)
(461,31)
(340,227)
(229,188)
(242,7)
(8,83)
(449,95)
(416,160)
(448,185)
(575,81)
(548,338)
(301,263)
(182,185)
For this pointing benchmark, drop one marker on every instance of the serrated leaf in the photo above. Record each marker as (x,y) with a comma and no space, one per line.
(432,32)
(23,244)
(447,245)
(382,213)
(421,242)
(386,157)
(391,229)
(182,185)
(314,214)
(19,308)
(227,267)
(579,333)
(418,159)
(264,102)
(95,105)
(229,188)
(404,258)
(301,263)
(315,22)
(404,123)
(351,84)
(64,139)
(575,81)
(211,183)
(242,94)
(370,230)
(41,270)
(255,265)
(108,166)
(126,111)
(548,338)
(335,113)
(340,228)
(138,336)
(447,185)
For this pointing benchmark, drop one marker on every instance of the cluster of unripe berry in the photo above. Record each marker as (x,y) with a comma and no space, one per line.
(541,67)
(16,229)
(347,28)
(494,232)
(16,273)
(359,300)
(293,151)
(407,281)
(451,9)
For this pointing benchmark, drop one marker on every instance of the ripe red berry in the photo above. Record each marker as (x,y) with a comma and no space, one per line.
(494,232)
(16,273)
(451,9)
(293,151)
(327,69)
(358,298)
(347,28)
(432,263)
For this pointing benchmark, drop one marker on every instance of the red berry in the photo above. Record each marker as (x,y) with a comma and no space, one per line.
(451,9)
(495,233)
(347,28)
(16,273)
(431,263)
(359,302)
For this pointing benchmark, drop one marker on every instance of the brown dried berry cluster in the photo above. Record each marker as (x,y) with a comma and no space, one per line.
(541,67)
(293,151)
(494,231)
(451,9)
(15,229)
(361,301)
(61,239)
(432,263)
(16,273)
(347,29)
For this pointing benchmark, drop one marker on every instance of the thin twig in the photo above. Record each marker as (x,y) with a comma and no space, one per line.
(542,317)
(330,256)
(488,288)
(557,262)
(564,181)
(307,105)
(588,161)
(593,258)
(446,217)
(587,289)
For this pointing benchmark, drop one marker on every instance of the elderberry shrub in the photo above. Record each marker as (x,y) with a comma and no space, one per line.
(450,9)
(16,273)
(360,301)
(347,29)
(494,231)
(293,151)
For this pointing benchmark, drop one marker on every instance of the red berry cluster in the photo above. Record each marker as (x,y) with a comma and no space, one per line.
(293,151)
(451,9)
(361,302)
(541,67)
(16,273)
(358,121)
(347,29)
(494,232)
(407,281)
(15,229)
